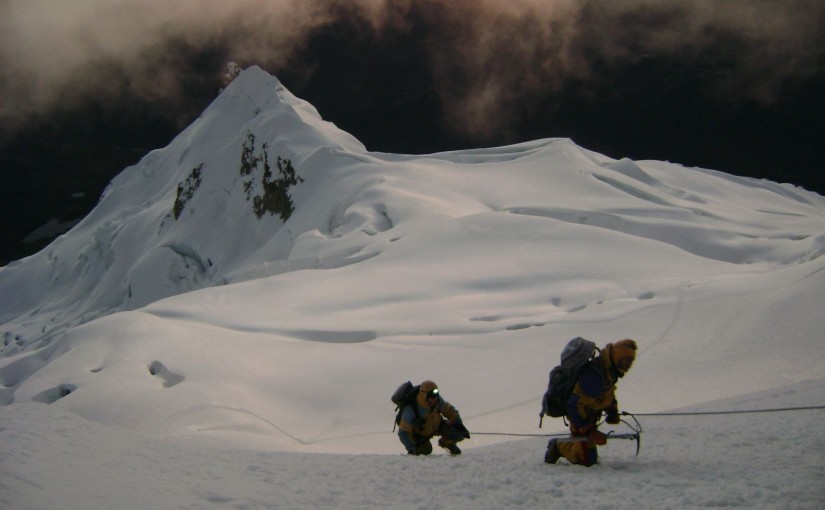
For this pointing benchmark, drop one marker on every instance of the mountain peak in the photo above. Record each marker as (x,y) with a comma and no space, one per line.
(184,215)
(261,185)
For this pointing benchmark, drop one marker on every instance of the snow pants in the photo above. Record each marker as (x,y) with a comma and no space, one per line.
(579,452)
(448,436)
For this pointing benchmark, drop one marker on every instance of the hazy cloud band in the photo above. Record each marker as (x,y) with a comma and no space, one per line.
(484,56)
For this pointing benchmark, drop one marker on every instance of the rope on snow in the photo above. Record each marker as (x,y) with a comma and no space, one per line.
(701,413)
(693,413)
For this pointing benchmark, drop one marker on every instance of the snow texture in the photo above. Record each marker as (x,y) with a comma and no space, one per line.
(178,349)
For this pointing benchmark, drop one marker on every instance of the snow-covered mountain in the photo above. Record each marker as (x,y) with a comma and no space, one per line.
(182,219)
(265,282)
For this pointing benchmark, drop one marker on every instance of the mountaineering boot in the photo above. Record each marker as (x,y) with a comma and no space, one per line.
(453,449)
(424,448)
(450,447)
(551,456)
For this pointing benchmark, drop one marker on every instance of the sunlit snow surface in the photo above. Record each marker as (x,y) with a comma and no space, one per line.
(204,361)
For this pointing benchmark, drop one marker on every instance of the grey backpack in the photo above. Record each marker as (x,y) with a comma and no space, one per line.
(576,354)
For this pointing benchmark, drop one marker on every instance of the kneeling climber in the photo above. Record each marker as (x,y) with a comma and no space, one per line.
(430,415)
(593,394)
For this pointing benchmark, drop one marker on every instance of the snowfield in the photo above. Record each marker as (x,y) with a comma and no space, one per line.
(189,345)
(765,460)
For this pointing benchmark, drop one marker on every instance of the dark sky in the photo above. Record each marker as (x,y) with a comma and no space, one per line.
(90,86)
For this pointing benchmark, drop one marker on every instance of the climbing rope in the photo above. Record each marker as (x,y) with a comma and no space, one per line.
(692,413)
(636,427)
(704,413)
(636,435)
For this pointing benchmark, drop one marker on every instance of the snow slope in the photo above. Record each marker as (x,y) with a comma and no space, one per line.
(182,346)
(55,459)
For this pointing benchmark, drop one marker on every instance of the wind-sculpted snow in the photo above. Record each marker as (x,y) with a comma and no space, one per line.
(176,309)
(351,204)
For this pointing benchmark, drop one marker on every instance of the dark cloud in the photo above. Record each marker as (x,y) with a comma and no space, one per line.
(55,52)
(482,57)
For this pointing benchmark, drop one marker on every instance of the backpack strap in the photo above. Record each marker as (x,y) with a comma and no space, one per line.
(400,410)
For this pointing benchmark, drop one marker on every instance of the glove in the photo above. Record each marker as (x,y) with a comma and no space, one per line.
(461,429)
(597,438)
(613,418)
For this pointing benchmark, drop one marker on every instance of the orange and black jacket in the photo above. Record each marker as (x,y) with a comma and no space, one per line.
(419,421)
(594,393)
